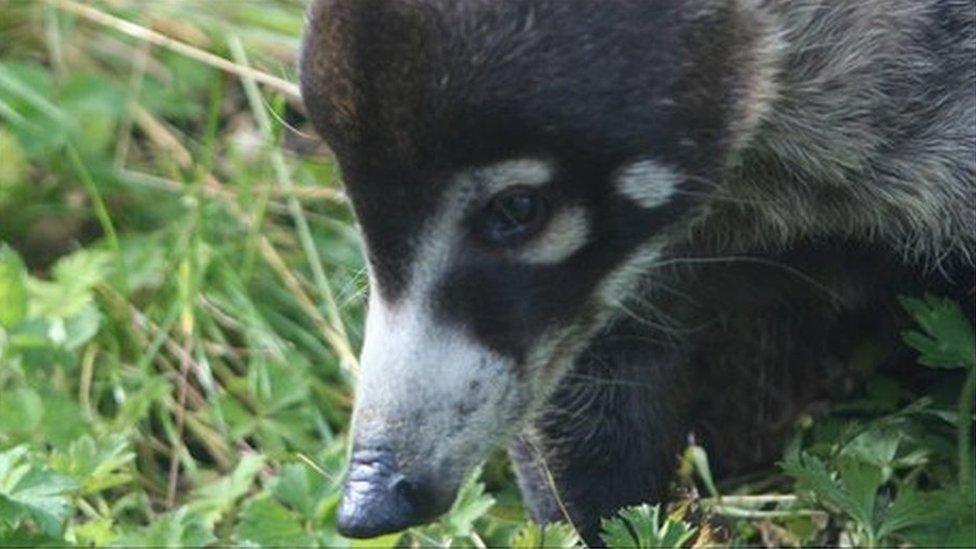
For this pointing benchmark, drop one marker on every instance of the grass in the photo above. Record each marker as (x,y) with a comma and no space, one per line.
(181,298)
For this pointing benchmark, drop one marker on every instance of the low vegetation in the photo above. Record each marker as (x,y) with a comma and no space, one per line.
(181,296)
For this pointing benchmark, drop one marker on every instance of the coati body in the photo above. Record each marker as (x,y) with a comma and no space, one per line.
(593,227)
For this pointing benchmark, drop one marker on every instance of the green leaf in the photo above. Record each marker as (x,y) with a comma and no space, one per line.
(80,327)
(63,420)
(215,499)
(379,542)
(95,533)
(13,288)
(861,481)
(535,536)
(641,526)
(30,491)
(267,523)
(13,169)
(21,411)
(96,466)
(22,537)
(70,290)
(948,340)
(811,475)
(301,489)
(913,508)
(180,528)
(853,492)
(932,519)
(471,504)
(877,446)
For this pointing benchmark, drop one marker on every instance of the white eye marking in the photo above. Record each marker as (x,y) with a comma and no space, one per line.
(648,183)
(525,171)
(565,233)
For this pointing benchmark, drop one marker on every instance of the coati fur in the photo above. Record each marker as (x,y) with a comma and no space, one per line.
(760,180)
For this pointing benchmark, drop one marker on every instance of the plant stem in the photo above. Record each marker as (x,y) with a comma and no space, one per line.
(101,212)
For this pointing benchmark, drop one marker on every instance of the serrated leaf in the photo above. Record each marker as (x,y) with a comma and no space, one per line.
(861,481)
(70,290)
(812,476)
(471,504)
(535,536)
(95,465)
(913,508)
(641,526)
(31,491)
(9,460)
(948,340)
(933,519)
(853,491)
(215,499)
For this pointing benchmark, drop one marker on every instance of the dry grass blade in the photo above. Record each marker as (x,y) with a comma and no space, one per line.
(142,33)
(159,135)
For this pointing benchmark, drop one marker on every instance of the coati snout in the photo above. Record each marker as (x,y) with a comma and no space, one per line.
(545,188)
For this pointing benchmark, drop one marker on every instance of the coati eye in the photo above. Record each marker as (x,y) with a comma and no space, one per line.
(513,216)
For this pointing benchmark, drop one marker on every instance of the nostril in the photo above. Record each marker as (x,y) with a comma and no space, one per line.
(402,488)
(377,498)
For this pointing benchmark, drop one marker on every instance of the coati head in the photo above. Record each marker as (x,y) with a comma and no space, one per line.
(514,168)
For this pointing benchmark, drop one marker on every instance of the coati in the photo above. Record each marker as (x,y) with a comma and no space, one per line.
(593,227)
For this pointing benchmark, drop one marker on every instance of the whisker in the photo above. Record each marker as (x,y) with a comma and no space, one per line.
(834,297)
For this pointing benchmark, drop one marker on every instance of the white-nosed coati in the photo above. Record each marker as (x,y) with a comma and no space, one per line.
(595,226)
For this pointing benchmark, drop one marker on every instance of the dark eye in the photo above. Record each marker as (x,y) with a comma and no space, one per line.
(513,216)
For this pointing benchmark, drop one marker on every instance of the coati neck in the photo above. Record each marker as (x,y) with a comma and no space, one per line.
(864,118)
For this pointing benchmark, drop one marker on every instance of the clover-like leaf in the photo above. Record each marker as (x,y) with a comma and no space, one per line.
(31,491)
(535,536)
(471,504)
(641,526)
(948,340)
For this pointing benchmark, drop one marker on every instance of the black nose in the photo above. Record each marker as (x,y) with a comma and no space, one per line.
(379,499)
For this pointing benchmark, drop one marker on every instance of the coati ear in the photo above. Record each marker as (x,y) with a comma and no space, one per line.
(355,53)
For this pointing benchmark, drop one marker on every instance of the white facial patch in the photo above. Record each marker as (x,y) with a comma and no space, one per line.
(647,183)
(428,389)
(565,233)
(425,378)
(529,172)
(411,363)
